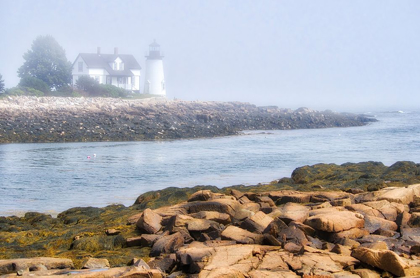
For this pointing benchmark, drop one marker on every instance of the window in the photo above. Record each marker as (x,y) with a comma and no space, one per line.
(80,66)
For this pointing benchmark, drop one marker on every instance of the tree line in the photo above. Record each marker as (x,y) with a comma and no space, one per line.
(47,72)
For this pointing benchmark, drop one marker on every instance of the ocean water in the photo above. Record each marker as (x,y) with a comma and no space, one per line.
(54,177)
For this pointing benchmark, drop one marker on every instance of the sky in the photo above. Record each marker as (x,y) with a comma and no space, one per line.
(349,55)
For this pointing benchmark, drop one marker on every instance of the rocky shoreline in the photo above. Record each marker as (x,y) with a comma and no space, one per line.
(350,220)
(27,119)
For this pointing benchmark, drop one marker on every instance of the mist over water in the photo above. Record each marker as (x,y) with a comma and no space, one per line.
(56,176)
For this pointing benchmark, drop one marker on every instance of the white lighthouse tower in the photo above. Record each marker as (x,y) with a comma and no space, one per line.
(154,81)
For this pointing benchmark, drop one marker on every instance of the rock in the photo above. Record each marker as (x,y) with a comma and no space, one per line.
(11,265)
(275,227)
(145,240)
(293,248)
(202,195)
(293,212)
(93,263)
(412,234)
(414,221)
(336,221)
(400,195)
(265,199)
(402,219)
(228,206)
(236,193)
(273,261)
(379,245)
(257,223)
(241,236)
(166,264)
(365,210)
(222,218)
(341,249)
(112,232)
(383,259)
(415,249)
(149,222)
(387,209)
(341,202)
(293,234)
(366,273)
(373,224)
(283,197)
(167,244)
(139,263)
(349,234)
(271,240)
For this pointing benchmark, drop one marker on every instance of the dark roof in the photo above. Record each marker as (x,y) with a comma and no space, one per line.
(94,60)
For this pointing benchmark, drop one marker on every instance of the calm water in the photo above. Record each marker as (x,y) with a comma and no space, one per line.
(54,177)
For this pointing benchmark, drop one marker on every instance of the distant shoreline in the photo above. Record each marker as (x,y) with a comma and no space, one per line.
(27,119)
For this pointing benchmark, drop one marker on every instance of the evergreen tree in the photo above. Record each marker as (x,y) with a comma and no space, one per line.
(1,83)
(46,60)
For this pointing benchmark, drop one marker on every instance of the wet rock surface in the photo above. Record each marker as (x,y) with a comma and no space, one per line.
(53,119)
(230,232)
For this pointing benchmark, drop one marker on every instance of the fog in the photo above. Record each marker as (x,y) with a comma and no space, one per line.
(340,55)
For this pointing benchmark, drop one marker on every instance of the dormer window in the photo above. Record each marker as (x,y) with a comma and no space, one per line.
(118,64)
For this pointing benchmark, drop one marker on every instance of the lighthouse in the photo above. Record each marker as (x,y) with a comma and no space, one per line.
(154,81)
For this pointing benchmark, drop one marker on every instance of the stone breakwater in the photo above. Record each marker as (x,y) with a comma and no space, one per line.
(53,119)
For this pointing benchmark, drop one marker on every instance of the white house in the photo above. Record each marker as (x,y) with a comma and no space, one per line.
(121,70)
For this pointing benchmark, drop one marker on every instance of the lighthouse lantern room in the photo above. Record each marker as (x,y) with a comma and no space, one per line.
(154,82)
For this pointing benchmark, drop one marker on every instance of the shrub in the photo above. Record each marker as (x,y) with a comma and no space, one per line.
(112,91)
(34,83)
(24,91)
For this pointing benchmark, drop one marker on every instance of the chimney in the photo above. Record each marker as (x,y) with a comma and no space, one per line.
(115,50)
(99,50)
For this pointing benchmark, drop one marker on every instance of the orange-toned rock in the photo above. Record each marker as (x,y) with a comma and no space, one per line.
(149,222)
(335,221)
(241,236)
(383,259)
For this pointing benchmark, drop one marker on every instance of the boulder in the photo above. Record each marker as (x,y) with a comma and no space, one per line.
(12,265)
(257,223)
(167,244)
(335,221)
(166,264)
(93,263)
(383,259)
(366,273)
(378,245)
(286,196)
(373,224)
(350,234)
(272,274)
(414,221)
(400,195)
(293,212)
(149,222)
(202,195)
(293,234)
(145,240)
(241,236)
(228,206)
(365,210)
(387,209)
(222,218)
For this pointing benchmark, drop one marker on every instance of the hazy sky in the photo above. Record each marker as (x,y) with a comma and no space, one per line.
(340,55)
